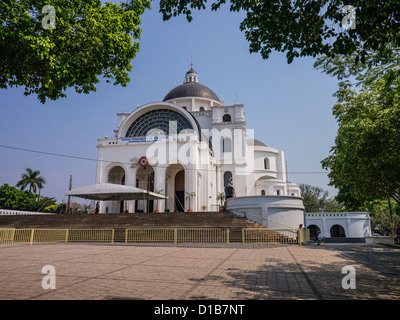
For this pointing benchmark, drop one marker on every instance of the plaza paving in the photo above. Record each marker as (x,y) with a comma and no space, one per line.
(192,272)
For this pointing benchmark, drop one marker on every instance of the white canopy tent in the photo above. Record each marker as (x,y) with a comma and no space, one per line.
(113,192)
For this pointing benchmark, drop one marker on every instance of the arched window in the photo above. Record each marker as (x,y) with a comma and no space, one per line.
(201,109)
(314,230)
(337,231)
(263,192)
(227,179)
(226,145)
(116,175)
(266,163)
(226,118)
(157,119)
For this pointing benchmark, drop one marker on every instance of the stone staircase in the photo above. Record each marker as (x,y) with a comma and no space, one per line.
(268,235)
(120,222)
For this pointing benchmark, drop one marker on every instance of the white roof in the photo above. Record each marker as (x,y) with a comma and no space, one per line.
(113,192)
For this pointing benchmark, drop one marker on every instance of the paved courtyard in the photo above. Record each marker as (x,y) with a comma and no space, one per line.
(192,272)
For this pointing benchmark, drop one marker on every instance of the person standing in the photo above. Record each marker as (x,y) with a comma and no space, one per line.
(320,238)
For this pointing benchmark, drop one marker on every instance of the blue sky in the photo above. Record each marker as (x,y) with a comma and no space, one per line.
(288,106)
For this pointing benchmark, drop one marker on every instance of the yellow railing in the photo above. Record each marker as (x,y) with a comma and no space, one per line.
(251,235)
(91,235)
(17,236)
(49,235)
(30,236)
(177,235)
(150,235)
(173,235)
(6,234)
(210,235)
(304,236)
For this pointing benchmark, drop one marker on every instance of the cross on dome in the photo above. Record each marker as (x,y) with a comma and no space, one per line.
(191,75)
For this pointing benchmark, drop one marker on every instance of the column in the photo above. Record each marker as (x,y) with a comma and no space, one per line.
(160,185)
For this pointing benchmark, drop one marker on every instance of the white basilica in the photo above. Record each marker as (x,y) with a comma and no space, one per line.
(189,147)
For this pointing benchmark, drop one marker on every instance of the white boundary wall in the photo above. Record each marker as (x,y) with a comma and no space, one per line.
(7,212)
(355,224)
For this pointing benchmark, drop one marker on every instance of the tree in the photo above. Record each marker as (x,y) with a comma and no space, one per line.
(364,164)
(190,195)
(316,199)
(345,66)
(380,216)
(70,47)
(32,179)
(161,192)
(14,199)
(221,197)
(308,28)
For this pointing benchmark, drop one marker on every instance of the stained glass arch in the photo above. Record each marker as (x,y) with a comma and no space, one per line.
(158,120)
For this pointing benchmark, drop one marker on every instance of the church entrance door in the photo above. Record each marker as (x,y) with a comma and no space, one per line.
(180,191)
(145,180)
(117,175)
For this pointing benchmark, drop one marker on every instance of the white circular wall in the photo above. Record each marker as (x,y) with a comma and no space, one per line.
(270,211)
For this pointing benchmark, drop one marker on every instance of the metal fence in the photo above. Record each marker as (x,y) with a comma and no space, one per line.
(177,235)
(10,236)
(6,234)
(251,235)
(255,235)
(210,235)
(151,235)
(15,236)
(304,236)
(91,235)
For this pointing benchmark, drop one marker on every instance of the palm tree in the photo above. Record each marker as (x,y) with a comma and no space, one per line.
(221,196)
(32,179)
(158,192)
(188,196)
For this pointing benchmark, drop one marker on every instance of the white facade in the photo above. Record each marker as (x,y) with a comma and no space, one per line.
(274,212)
(338,224)
(194,145)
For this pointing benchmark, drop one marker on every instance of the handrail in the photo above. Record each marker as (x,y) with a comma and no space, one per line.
(29,236)
(177,235)
(262,218)
(10,236)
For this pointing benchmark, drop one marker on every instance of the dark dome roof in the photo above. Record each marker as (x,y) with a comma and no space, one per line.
(258,143)
(191,71)
(191,89)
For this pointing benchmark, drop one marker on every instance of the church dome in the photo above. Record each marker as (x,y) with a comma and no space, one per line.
(191,88)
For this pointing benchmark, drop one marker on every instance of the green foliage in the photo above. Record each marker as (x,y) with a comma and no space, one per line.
(374,67)
(14,199)
(307,28)
(379,214)
(365,162)
(90,39)
(315,199)
(190,195)
(51,208)
(221,197)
